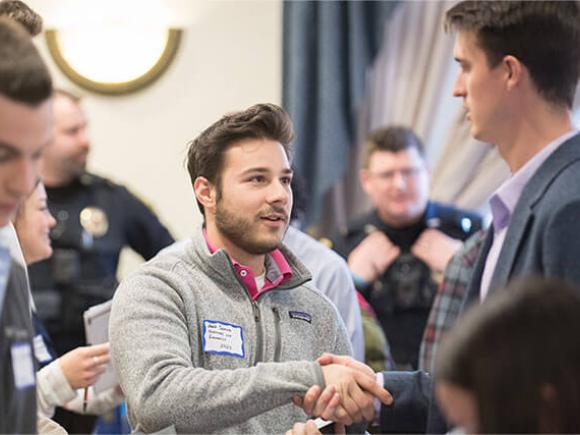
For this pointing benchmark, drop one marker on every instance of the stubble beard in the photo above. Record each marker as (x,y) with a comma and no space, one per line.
(240,231)
(72,168)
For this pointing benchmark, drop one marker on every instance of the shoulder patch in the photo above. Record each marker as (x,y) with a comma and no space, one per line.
(326,242)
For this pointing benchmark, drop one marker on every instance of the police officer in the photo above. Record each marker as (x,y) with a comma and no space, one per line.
(96,219)
(397,252)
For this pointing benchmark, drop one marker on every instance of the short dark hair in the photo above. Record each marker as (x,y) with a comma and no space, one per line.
(392,139)
(510,348)
(20,12)
(24,76)
(543,35)
(205,157)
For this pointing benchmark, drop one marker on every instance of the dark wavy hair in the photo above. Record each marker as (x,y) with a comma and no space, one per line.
(23,14)
(205,157)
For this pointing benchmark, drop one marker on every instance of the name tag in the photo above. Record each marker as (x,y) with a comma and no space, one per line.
(22,365)
(223,338)
(40,350)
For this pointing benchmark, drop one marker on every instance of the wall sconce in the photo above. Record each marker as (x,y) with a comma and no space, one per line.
(114,59)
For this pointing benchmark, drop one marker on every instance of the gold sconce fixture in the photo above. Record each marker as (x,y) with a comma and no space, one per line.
(115,60)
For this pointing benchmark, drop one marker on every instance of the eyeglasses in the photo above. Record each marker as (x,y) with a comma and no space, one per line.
(389,176)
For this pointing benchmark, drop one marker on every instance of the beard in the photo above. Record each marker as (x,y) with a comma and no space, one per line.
(74,166)
(240,230)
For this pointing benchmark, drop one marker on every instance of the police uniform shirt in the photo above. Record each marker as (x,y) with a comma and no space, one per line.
(403,294)
(96,218)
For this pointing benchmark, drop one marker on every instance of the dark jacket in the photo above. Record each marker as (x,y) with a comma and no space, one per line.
(17,391)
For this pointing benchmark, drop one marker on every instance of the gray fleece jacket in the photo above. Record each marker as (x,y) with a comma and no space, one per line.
(192,349)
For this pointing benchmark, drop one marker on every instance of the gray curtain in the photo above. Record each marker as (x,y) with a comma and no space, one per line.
(328,47)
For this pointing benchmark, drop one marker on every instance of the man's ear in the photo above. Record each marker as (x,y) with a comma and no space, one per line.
(205,192)
(364,177)
(514,71)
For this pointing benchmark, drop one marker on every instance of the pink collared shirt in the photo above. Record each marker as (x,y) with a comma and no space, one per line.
(278,271)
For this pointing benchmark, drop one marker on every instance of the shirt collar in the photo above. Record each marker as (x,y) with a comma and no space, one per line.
(277,271)
(503,201)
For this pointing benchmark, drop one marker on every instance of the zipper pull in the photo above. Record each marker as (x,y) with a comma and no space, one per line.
(256,312)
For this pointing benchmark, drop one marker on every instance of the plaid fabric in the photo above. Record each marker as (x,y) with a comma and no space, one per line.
(449,298)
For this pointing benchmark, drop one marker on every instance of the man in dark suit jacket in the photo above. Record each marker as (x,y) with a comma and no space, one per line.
(519,67)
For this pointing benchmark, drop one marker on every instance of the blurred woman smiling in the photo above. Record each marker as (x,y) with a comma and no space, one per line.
(60,380)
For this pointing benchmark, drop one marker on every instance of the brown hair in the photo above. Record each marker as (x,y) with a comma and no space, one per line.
(21,13)
(24,76)
(75,98)
(392,139)
(543,35)
(519,354)
(205,157)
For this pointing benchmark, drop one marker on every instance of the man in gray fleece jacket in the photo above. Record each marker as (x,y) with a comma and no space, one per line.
(220,332)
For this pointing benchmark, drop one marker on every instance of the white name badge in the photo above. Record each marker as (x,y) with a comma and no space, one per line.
(223,338)
(40,350)
(22,365)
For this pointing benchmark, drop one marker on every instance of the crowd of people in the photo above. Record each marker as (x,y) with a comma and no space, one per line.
(252,326)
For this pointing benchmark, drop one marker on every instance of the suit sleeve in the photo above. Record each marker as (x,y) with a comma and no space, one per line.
(562,244)
(412,393)
(145,234)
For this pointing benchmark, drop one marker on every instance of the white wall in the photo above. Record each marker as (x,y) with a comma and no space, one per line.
(230,58)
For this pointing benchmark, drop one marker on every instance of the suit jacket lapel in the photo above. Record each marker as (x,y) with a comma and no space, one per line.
(518,226)
(472,294)
(522,217)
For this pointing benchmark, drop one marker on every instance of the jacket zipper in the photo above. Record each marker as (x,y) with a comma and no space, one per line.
(257,319)
(277,338)
(259,333)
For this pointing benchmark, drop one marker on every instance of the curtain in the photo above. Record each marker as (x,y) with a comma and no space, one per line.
(410,84)
(328,47)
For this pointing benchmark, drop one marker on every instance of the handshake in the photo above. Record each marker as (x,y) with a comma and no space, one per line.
(349,396)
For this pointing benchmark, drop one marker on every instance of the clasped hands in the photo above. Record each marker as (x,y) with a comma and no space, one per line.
(350,392)
(373,256)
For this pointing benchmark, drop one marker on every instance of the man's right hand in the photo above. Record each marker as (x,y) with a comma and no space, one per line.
(373,256)
(350,392)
